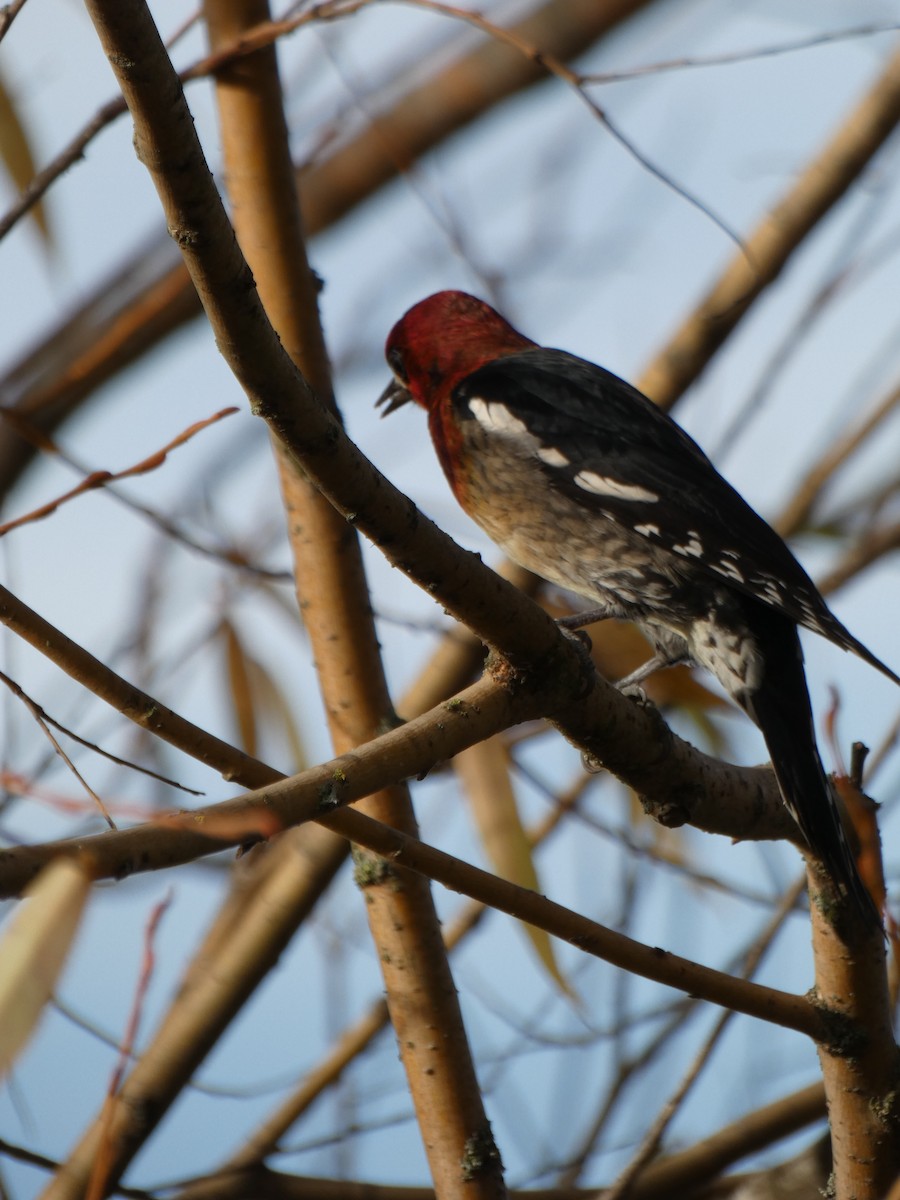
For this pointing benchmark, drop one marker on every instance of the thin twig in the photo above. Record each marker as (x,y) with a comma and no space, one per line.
(97,1186)
(823,181)
(101,479)
(653,1137)
(38,714)
(576,82)
(741,56)
(797,511)
(44,717)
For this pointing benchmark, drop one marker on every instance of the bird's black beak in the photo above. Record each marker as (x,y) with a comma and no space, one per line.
(394,396)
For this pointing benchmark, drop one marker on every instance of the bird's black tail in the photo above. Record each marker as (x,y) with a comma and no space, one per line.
(781,708)
(830,627)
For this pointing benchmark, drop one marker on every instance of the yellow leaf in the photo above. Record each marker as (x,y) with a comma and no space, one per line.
(34,948)
(238,666)
(484,771)
(15,152)
(258,699)
(273,704)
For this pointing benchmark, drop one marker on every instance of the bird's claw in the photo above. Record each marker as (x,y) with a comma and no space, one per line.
(591,764)
(636,693)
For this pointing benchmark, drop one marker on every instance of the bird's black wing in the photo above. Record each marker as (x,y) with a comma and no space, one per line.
(606,445)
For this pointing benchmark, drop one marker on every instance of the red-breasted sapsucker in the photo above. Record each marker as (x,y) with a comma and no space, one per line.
(581,479)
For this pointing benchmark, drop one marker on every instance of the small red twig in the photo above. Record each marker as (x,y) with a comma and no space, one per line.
(861,808)
(17,784)
(96,1189)
(99,479)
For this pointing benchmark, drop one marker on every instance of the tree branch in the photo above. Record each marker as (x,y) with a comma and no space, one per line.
(824,180)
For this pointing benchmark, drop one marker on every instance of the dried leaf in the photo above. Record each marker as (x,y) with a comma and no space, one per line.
(484,771)
(238,668)
(258,699)
(272,704)
(34,949)
(16,154)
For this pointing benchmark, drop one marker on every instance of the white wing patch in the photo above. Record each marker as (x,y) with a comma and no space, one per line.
(552,457)
(601,485)
(729,569)
(495,417)
(693,547)
(647,530)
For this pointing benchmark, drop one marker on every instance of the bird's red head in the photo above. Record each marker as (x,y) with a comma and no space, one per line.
(440,341)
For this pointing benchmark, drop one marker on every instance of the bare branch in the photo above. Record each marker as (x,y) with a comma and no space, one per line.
(769,248)
(741,56)
(860,1065)
(151,295)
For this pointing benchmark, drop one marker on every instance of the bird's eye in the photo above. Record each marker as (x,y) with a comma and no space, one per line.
(395,362)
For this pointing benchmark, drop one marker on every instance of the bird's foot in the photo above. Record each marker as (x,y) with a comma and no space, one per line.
(590,617)
(628,683)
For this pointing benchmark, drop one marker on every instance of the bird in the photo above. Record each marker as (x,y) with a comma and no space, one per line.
(580,478)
